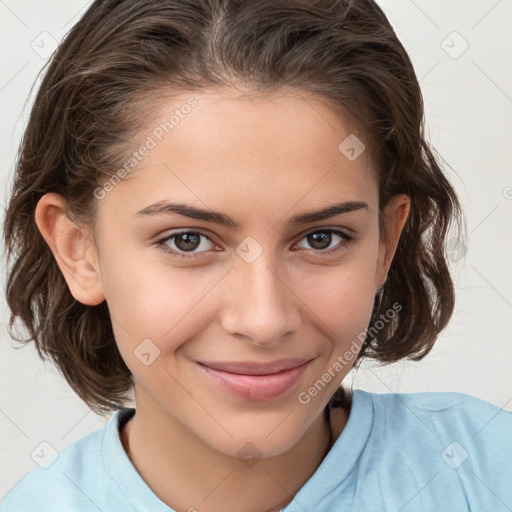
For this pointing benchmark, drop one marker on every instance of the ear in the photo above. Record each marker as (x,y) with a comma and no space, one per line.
(73,248)
(395,215)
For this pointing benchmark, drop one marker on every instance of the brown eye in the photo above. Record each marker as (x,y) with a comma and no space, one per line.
(184,242)
(321,240)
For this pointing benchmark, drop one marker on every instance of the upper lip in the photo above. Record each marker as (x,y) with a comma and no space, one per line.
(254,368)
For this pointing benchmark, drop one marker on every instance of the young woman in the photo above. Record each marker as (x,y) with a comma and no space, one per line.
(225,205)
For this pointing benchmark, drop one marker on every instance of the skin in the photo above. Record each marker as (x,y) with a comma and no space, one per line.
(260,161)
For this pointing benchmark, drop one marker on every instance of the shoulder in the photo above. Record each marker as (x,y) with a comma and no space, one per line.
(444,407)
(439,444)
(71,479)
(452,426)
(447,414)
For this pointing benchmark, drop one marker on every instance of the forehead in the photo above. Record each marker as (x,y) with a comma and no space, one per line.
(287,125)
(238,152)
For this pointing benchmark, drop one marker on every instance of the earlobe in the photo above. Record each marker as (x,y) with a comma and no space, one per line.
(72,248)
(395,217)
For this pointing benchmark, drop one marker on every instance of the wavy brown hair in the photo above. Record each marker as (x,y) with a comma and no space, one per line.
(123,57)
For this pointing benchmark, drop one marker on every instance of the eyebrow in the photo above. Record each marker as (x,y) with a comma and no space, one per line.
(167,208)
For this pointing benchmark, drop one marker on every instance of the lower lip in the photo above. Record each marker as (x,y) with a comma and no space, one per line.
(256,387)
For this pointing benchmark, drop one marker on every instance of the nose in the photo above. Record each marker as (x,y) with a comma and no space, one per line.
(261,303)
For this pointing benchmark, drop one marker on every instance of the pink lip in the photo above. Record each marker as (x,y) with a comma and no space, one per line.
(249,368)
(256,386)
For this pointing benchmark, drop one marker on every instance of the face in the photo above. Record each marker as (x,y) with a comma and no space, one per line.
(262,287)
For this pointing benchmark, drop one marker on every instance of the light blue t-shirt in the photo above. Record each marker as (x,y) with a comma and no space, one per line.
(399,452)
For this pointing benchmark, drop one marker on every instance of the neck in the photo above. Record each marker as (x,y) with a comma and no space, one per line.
(169,458)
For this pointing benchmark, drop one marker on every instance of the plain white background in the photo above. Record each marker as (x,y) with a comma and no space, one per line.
(461,52)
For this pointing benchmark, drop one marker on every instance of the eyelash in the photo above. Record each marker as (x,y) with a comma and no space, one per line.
(346,241)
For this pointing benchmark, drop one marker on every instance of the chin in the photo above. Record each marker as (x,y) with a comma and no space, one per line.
(255,445)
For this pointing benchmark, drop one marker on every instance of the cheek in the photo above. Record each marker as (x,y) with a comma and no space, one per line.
(342,295)
(341,303)
(155,301)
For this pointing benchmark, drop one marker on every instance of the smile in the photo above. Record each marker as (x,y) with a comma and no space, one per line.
(255,387)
